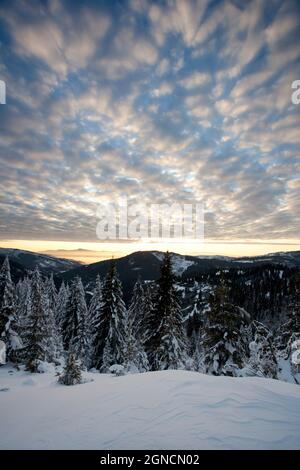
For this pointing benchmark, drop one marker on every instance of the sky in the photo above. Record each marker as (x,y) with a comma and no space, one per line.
(158,101)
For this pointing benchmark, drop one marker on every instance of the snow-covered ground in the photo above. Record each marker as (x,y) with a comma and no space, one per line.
(157,410)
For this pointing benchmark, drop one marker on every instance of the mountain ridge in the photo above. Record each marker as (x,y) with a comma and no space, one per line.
(145,264)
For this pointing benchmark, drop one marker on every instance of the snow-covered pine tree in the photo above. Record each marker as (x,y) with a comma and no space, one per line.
(262,361)
(146,331)
(37,332)
(224,340)
(101,348)
(23,308)
(4,275)
(22,288)
(167,347)
(114,313)
(61,304)
(136,311)
(51,294)
(196,352)
(289,331)
(135,356)
(54,329)
(194,312)
(50,299)
(72,372)
(75,334)
(194,327)
(9,326)
(5,280)
(94,320)
(288,334)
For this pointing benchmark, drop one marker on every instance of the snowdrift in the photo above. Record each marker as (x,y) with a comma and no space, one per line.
(155,410)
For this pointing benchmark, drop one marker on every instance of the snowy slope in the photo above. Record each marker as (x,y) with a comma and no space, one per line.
(29,260)
(180,263)
(158,410)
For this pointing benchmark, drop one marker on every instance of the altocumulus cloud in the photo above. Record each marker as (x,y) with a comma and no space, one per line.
(158,101)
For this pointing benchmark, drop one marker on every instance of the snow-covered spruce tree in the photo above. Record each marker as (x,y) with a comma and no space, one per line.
(111,324)
(114,311)
(288,334)
(135,359)
(167,346)
(295,359)
(61,305)
(194,327)
(22,289)
(94,320)
(23,308)
(72,372)
(146,330)
(5,282)
(289,331)
(37,331)
(224,341)
(4,275)
(137,309)
(50,299)
(9,325)
(75,334)
(196,352)
(262,361)
(194,313)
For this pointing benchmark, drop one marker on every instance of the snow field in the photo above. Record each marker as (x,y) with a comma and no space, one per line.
(154,410)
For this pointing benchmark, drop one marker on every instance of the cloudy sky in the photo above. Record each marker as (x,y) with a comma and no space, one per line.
(159,101)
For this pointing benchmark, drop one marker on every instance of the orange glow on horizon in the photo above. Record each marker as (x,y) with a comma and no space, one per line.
(90,252)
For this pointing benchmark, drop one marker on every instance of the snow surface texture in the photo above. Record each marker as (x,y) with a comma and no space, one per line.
(156,410)
(2,352)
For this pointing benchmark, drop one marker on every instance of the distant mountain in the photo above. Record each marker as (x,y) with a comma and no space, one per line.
(23,262)
(146,264)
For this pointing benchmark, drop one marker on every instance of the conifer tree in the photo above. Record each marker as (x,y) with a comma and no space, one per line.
(194,311)
(262,361)
(225,345)
(167,347)
(289,331)
(37,331)
(196,352)
(6,305)
(147,330)
(137,309)
(4,277)
(113,323)
(135,357)
(10,327)
(72,372)
(23,309)
(50,302)
(94,319)
(75,334)
(194,327)
(61,304)
(21,295)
